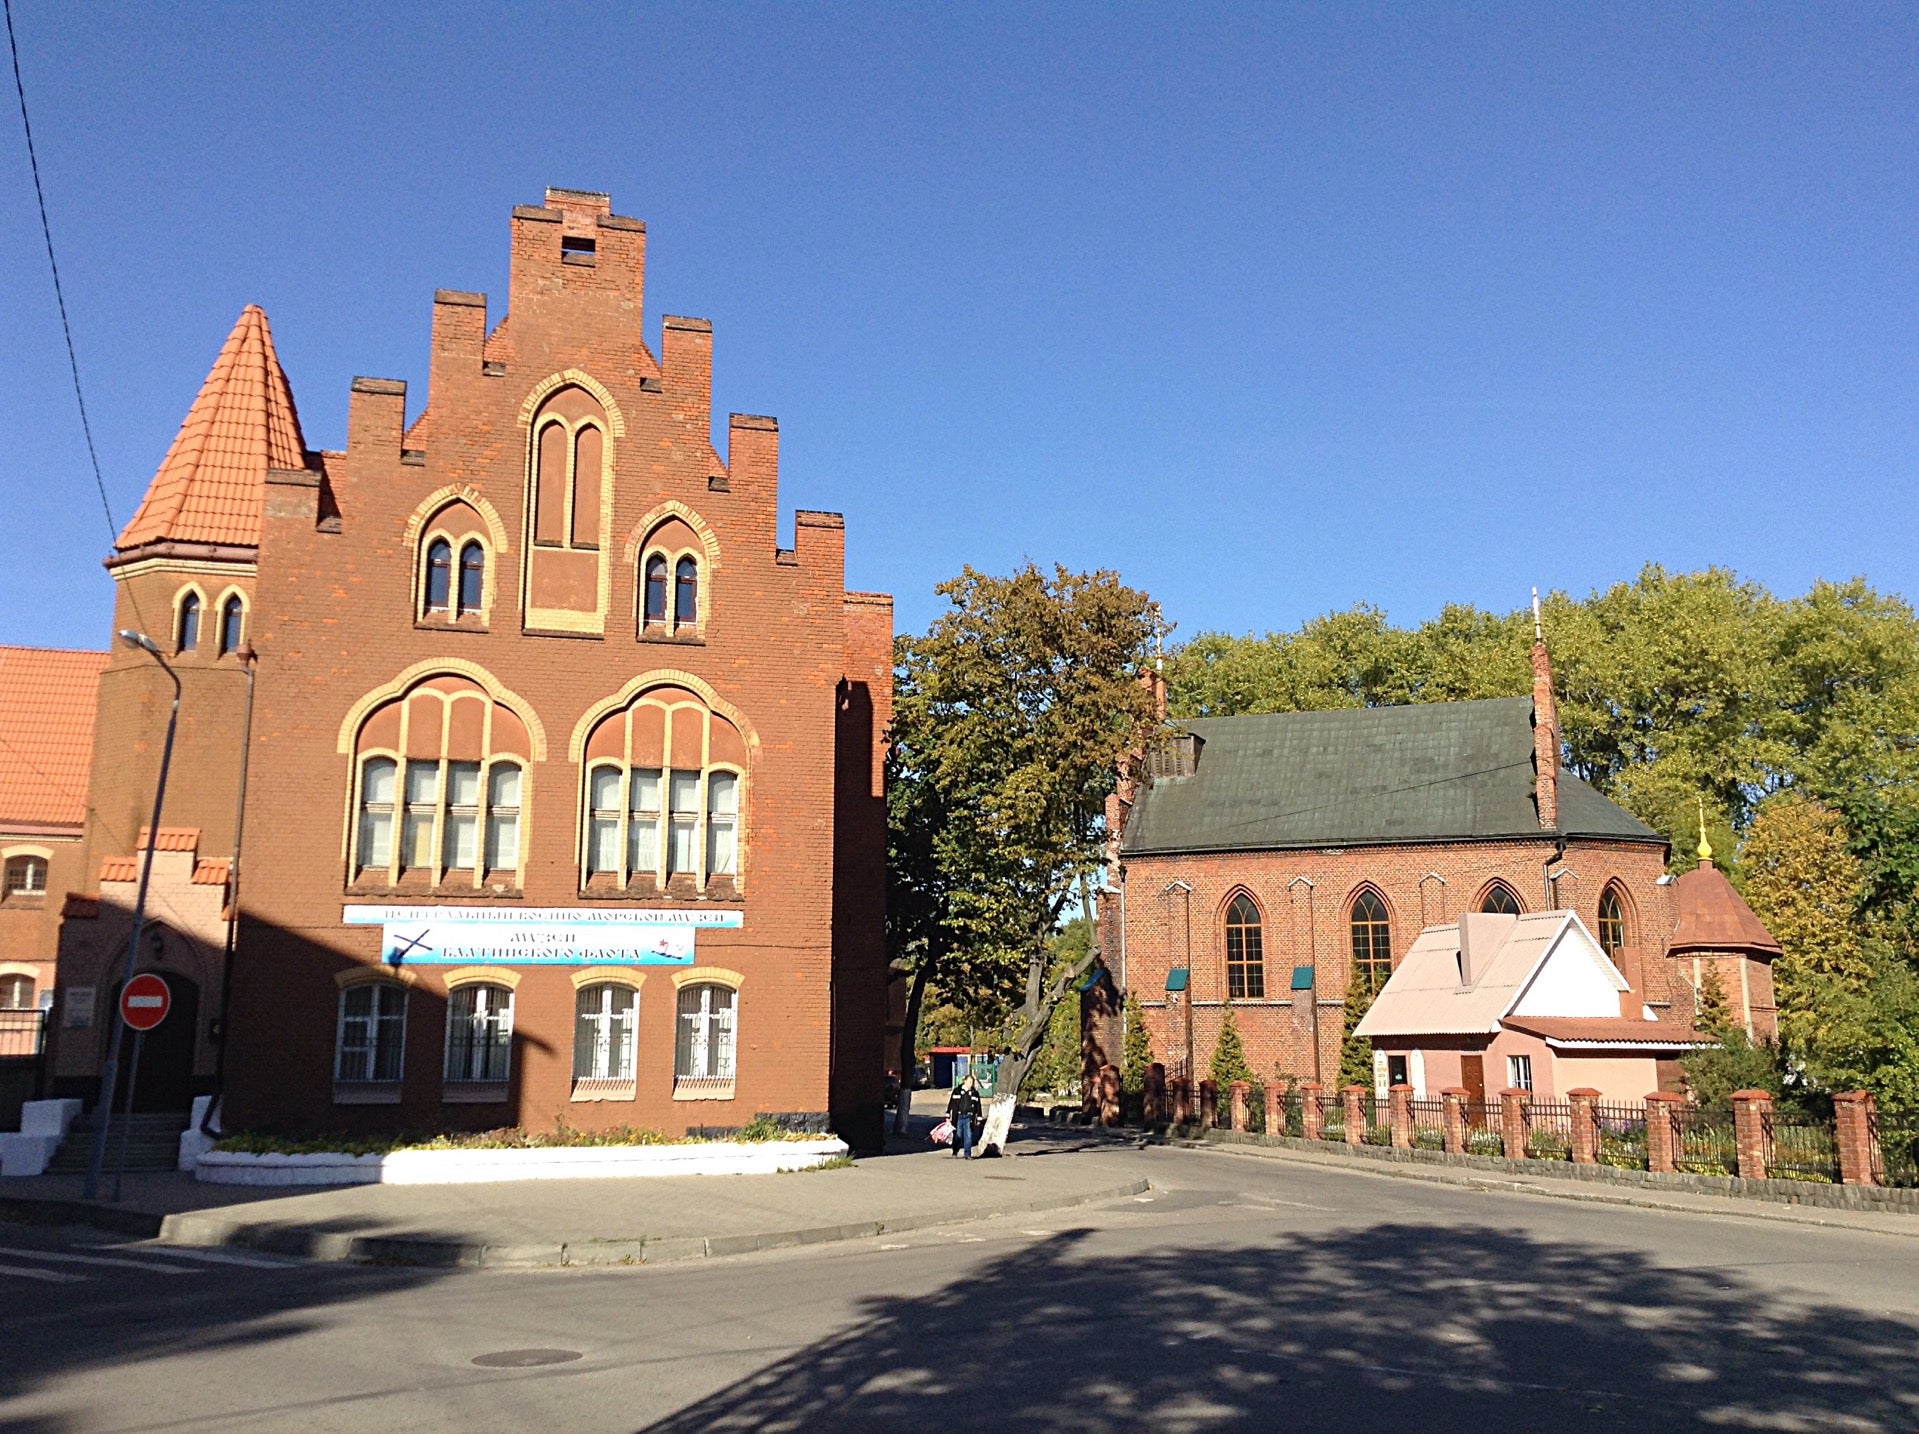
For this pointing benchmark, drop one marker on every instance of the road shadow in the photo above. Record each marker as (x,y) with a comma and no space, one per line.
(1396,1327)
(55,1335)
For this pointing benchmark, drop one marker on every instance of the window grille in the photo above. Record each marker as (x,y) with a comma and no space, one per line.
(704,1044)
(479,1033)
(603,1033)
(372,1037)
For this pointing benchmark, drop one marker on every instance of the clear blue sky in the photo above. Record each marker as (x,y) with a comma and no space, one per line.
(1274,310)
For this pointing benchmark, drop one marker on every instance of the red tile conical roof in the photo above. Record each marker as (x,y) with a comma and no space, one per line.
(1714,917)
(212,484)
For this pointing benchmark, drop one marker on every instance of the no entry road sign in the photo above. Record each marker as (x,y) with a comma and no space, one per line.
(145,1001)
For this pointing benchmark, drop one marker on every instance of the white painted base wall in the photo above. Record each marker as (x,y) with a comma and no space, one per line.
(43,1125)
(466,1167)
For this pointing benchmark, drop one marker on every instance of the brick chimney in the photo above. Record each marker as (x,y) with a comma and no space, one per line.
(1545,728)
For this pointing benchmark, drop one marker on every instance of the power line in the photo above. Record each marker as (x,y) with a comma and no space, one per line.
(59,294)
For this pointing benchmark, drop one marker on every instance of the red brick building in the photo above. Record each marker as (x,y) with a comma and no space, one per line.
(562,795)
(1260,859)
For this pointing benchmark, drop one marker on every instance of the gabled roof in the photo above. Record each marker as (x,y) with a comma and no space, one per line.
(47,699)
(211,486)
(1426,995)
(1715,917)
(1435,771)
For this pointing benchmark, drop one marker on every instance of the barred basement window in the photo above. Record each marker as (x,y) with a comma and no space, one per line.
(479,1034)
(603,1029)
(372,1033)
(703,1045)
(1245,951)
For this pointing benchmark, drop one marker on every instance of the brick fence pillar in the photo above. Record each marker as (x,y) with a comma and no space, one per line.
(1751,1113)
(1182,1101)
(1852,1121)
(1208,1104)
(1312,1122)
(1512,1122)
(1585,1122)
(1240,1092)
(1109,1095)
(1401,1098)
(1275,1111)
(1662,1131)
(1453,1116)
(1153,1095)
(1354,1096)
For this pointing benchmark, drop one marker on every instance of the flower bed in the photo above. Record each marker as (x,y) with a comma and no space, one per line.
(510,1154)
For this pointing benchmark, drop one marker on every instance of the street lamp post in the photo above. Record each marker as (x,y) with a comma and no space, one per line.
(110,1072)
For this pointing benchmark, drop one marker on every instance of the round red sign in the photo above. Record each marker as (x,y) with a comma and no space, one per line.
(145,1001)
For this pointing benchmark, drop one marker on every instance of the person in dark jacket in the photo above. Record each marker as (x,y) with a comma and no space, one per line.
(963,1109)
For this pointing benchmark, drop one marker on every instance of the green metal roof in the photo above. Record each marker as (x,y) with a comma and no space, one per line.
(1438,771)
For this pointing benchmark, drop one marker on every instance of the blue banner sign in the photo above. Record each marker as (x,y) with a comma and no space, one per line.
(536,936)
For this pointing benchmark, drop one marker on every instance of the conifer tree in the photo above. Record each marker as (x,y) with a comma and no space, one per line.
(1138,1050)
(1229,1055)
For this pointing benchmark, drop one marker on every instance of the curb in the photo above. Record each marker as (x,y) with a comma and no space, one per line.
(1739,1206)
(200,1230)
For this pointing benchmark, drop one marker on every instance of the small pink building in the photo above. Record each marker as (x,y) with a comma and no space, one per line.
(1531,1001)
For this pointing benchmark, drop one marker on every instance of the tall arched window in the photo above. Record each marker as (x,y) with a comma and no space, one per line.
(1612,923)
(188,637)
(686,593)
(1245,951)
(439,574)
(472,578)
(664,796)
(656,591)
(232,616)
(1372,930)
(441,777)
(1501,900)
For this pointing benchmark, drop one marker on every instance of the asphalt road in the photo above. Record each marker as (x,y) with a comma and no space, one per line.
(1243,1294)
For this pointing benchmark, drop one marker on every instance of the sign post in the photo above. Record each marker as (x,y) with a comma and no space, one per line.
(144,1003)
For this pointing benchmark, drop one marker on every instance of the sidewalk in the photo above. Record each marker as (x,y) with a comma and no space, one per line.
(588,1222)
(1555,1185)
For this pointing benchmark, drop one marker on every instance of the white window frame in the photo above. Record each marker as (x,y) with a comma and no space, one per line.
(1519,1073)
(492,1009)
(603,1067)
(706,1039)
(380,1018)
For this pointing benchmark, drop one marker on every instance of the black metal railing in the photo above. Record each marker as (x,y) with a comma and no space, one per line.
(1800,1152)
(1622,1135)
(1549,1130)
(1706,1144)
(1429,1124)
(1896,1142)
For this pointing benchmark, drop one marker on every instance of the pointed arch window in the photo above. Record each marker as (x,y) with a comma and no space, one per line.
(1245,951)
(1372,933)
(439,574)
(686,593)
(1612,923)
(188,636)
(656,591)
(1501,900)
(472,578)
(232,620)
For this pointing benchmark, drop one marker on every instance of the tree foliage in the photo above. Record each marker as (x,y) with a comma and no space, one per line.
(1229,1055)
(1137,1050)
(1011,716)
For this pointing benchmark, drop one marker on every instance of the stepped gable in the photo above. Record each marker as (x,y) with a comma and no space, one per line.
(1714,917)
(211,485)
(46,733)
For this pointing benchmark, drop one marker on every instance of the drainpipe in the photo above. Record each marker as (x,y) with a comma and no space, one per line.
(1124,989)
(1312,960)
(209,1123)
(1546,870)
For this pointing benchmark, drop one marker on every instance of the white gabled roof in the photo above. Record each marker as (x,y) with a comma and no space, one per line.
(1433,992)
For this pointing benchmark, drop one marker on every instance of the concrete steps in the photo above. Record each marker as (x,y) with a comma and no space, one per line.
(153,1143)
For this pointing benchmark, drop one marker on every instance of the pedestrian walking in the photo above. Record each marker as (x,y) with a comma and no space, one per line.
(963,1109)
